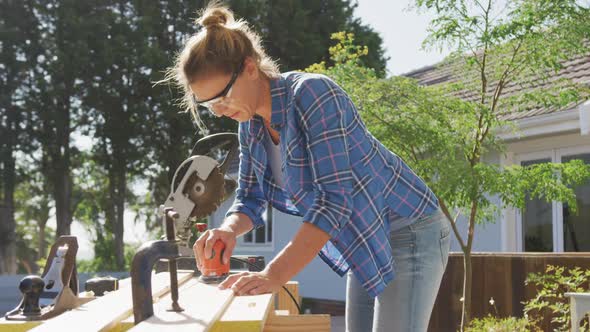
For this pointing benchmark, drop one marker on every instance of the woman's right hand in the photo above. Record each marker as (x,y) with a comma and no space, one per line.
(204,244)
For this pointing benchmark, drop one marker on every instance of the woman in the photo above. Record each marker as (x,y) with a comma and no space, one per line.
(305,150)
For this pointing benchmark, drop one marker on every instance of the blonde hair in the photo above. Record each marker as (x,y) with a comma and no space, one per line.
(220,46)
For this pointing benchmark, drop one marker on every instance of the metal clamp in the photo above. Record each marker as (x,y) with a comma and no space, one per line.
(141,271)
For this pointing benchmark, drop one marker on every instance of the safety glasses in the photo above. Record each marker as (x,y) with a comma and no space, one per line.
(226,92)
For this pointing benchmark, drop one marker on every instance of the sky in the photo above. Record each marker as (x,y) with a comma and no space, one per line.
(402,31)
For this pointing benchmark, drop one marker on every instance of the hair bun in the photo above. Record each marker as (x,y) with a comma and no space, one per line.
(216,16)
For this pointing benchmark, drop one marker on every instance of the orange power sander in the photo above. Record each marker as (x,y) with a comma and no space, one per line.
(213,270)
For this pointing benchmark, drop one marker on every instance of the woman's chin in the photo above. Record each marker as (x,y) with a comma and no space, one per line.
(241,117)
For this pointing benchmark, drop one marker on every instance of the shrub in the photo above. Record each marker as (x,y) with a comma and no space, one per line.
(494,324)
(549,302)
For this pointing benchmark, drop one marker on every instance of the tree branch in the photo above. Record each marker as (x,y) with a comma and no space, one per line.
(453,222)
(471,225)
(504,76)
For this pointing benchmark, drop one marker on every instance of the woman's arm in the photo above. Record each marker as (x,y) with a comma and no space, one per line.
(250,199)
(306,244)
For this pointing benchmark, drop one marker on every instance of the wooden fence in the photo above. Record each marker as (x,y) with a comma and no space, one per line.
(497,275)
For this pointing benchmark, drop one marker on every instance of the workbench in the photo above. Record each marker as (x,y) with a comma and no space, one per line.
(206,308)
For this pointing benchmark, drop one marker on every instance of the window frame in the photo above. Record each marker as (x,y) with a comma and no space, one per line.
(242,244)
(555,155)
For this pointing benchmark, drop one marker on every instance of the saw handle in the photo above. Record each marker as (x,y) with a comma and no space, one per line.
(208,143)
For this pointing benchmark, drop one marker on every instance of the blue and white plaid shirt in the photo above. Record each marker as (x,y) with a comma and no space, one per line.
(335,172)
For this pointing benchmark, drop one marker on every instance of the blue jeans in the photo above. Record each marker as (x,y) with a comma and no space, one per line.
(420,253)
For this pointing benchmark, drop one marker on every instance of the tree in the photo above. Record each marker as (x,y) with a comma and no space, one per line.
(443,137)
(62,76)
(492,50)
(297,33)
(17,56)
(117,87)
(34,204)
(92,188)
(64,30)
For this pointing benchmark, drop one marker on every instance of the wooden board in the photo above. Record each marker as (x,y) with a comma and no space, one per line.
(17,326)
(245,314)
(285,302)
(298,323)
(106,311)
(203,304)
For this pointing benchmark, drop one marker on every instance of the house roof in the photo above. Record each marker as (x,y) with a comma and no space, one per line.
(576,69)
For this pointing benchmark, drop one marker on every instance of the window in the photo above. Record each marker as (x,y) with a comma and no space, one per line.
(576,227)
(552,226)
(537,220)
(262,235)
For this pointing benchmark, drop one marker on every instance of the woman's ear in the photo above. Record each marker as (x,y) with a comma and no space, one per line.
(251,69)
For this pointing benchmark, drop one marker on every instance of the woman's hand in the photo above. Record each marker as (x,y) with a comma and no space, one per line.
(252,283)
(203,246)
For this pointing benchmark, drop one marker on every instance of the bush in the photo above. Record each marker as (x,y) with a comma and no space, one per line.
(550,303)
(493,324)
(106,263)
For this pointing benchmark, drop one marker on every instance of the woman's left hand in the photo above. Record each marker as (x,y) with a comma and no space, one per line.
(251,283)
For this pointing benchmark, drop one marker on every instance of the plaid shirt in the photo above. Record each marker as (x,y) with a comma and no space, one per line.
(340,177)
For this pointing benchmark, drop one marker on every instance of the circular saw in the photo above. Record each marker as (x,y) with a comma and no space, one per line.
(199,185)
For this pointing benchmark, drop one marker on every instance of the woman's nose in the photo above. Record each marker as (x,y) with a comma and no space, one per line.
(221,109)
(218,110)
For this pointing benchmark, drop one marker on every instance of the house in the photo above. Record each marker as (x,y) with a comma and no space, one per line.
(545,135)
(556,135)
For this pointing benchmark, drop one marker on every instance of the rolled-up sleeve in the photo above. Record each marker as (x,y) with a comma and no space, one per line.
(323,113)
(249,199)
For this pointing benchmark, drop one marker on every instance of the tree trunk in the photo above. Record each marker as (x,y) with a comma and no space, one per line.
(116,208)
(62,203)
(467,283)
(42,246)
(7,240)
(7,222)
(61,157)
(119,222)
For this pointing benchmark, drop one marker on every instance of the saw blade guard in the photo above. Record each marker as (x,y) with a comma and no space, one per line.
(181,201)
(199,185)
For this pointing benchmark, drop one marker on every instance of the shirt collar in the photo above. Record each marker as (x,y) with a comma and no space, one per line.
(279,93)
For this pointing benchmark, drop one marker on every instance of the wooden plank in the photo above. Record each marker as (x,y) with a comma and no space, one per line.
(245,314)
(22,326)
(124,325)
(298,323)
(106,311)
(17,326)
(284,301)
(203,304)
